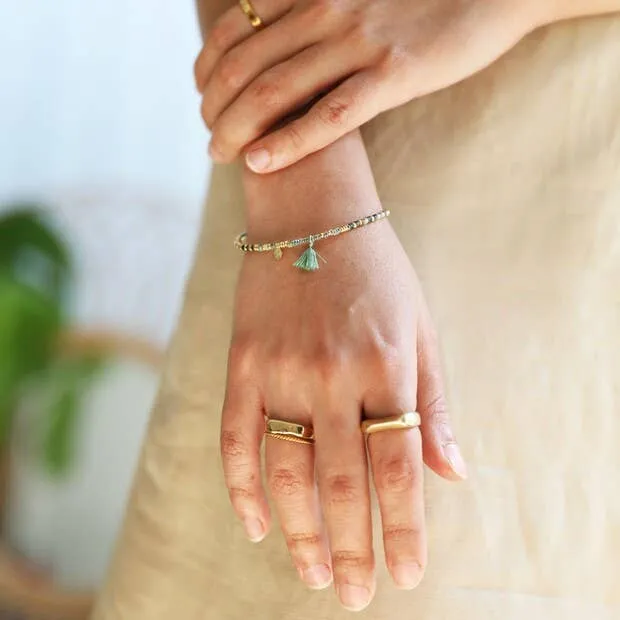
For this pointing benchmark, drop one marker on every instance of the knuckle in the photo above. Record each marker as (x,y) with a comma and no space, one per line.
(392,58)
(401,534)
(240,479)
(390,356)
(386,360)
(360,32)
(287,360)
(335,111)
(198,69)
(286,481)
(233,446)
(231,72)
(321,9)
(266,92)
(345,560)
(395,475)
(341,489)
(436,412)
(305,538)
(327,363)
(300,542)
(282,358)
(322,362)
(240,496)
(223,144)
(219,36)
(207,113)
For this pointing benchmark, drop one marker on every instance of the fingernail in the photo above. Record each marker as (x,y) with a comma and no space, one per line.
(317,577)
(215,153)
(455,458)
(258,159)
(254,529)
(407,576)
(354,598)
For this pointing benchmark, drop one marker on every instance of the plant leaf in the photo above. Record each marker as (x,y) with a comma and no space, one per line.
(33,251)
(69,381)
(29,323)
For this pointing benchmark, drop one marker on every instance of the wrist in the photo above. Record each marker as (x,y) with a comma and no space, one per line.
(325,189)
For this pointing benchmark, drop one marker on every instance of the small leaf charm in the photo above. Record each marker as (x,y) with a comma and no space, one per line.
(277,253)
(308,260)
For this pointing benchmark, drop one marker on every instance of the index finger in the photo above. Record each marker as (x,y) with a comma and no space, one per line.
(240,439)
(342,110)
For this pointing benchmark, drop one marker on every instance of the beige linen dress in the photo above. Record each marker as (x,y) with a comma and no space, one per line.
(505,192)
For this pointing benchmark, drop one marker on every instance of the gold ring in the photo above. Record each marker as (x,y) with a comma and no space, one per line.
(251,14)
(409,419)
(289,431)
(292,438)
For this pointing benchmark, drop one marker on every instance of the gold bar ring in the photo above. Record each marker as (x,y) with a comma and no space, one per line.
(409,419)
(289,431)
(291,438)
(251,14)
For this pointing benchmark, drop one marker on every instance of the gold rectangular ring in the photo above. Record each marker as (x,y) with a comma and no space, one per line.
(409,419)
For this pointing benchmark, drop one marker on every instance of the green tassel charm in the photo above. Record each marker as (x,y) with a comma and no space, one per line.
(308,261)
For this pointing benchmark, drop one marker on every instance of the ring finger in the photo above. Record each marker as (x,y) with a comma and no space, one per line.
(397,468)
(232,28)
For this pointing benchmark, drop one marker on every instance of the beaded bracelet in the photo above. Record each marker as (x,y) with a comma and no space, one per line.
(308,260)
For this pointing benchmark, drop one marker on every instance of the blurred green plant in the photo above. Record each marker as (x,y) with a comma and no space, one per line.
(35,276)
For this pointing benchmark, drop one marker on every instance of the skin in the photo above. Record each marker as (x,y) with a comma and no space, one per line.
(354,338)
(353,58)
(320,348)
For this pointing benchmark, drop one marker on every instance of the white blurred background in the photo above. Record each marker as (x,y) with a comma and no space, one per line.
(100,121)
(99,96)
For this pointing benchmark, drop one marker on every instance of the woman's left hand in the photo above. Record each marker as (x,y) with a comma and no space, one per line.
(363,56)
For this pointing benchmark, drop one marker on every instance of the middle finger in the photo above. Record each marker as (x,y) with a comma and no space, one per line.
(343,485)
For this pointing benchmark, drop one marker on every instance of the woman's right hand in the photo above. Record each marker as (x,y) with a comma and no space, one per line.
(323,348)
(353,59)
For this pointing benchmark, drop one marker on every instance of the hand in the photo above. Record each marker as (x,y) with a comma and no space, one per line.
(322,348)
(362,56)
